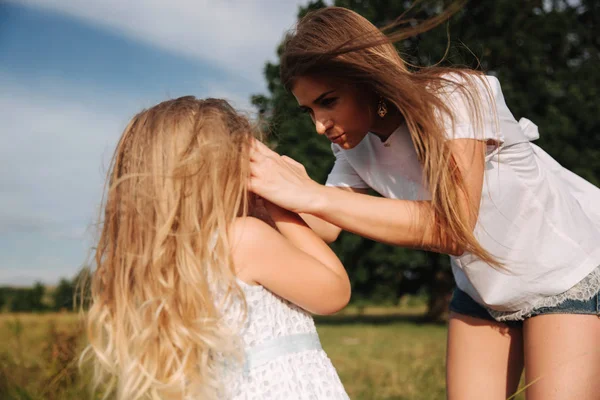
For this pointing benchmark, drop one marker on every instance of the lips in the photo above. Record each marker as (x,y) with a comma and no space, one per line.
(336,139)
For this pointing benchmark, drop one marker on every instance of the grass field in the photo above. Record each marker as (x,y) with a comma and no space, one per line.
(380,353)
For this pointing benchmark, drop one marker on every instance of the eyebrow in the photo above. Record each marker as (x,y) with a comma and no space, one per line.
(315,101)
(321,96)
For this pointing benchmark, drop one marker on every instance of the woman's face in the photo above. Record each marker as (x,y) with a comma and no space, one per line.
(339,110)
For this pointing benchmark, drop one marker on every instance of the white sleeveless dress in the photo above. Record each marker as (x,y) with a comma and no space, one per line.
(283,356)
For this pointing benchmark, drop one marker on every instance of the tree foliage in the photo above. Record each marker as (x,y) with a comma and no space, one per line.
(545,54)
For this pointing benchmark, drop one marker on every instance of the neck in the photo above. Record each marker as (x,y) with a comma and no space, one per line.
(384,127)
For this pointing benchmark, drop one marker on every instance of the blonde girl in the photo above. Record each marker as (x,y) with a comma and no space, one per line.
(192,298)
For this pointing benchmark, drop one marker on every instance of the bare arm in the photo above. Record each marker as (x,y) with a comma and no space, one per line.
(399,222)
(296,264)
(327,231)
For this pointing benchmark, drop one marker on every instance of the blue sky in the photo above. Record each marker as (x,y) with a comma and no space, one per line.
(72,73)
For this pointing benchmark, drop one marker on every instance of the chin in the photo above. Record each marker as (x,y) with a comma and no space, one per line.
(352,140)
(347,145)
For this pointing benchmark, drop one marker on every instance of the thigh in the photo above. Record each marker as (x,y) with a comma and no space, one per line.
(484,358)
(562,357)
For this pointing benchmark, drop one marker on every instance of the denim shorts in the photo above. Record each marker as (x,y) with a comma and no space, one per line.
(462,303)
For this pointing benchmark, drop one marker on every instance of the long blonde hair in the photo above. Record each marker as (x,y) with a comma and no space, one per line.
(337,42)
(176,183)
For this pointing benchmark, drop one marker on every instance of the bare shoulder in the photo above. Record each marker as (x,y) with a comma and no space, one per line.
(250,239)
(249,231)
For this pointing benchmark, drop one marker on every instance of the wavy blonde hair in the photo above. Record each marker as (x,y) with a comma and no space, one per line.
(339,43)
(176,183)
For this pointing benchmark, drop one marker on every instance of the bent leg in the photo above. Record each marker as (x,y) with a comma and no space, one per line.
(562,357)
(484,358)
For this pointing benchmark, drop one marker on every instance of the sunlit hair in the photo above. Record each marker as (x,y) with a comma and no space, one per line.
(176,183)
(338,43)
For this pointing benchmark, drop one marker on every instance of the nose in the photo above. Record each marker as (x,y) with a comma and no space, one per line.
(322,126)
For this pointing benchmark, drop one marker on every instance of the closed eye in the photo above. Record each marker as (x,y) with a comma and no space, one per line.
(329,102)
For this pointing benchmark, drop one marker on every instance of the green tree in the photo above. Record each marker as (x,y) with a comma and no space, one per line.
(63,295)
(81,286)
(28,299)
(545,54)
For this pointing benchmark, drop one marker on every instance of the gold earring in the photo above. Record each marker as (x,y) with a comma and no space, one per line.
(382,108)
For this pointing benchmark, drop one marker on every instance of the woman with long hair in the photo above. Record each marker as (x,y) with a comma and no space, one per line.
(457,174)
(193,296)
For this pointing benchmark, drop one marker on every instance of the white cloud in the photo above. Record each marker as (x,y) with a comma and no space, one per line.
(58,137)
(55,143)
(52,151)
(237,35)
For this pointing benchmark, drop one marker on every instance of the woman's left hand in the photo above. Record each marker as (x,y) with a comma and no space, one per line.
(281,180)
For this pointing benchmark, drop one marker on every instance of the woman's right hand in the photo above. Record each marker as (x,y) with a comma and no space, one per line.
(281,180)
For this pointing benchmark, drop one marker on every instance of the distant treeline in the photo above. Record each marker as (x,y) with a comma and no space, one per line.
(39,298)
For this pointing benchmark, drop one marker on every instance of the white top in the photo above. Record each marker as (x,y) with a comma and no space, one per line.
(286,373)
(537,217)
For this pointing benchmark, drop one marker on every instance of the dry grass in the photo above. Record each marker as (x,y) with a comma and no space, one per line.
(380,353)
(38,357)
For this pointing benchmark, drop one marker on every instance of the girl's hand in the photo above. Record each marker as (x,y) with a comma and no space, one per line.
(281,180)
(277,213)
(258,209)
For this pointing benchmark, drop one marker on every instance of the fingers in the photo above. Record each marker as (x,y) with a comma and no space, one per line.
(259,151)
(261,158)
(295,165)
(291,161)
(253,186)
